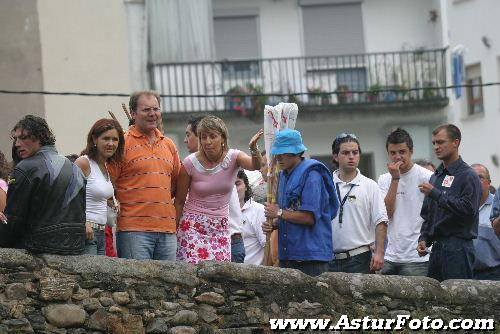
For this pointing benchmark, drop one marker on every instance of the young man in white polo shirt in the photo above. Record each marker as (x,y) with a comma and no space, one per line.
(361,225)
(403,201)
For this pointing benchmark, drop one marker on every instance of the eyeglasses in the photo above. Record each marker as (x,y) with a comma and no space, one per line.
(346,135)
(149,110)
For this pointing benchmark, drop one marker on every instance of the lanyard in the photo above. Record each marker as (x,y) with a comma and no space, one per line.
(341,209)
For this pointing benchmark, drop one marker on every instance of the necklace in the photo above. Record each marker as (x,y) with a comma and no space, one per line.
(104,171)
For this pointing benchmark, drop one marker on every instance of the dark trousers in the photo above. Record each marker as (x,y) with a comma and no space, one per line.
(451,258)
(237,249)
(311,268)
(355,264)
(490,274)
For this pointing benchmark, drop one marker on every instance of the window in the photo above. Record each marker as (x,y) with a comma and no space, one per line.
(474,94)
(236,40)
(332,29)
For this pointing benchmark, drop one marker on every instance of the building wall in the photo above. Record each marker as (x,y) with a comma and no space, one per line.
(393,25)
(20,65)
(480,132)
(84,49)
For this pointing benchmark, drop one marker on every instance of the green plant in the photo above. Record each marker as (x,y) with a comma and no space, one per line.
(318,96)
(374,91)
(430,92)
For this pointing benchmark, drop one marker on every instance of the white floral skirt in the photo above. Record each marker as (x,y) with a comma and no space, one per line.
(203,238)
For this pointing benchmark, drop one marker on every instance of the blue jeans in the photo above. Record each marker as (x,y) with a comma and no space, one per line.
(405,269)
(355,264)
(146,245)
(237,250)
(311,268)
(451,258)
(96,246)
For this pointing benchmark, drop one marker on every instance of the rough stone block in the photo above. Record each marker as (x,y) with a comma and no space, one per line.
(211,298)
(185,317)
(64,315)
(121,298)
(15,291)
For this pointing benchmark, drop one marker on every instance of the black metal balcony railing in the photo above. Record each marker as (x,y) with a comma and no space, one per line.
(247,85)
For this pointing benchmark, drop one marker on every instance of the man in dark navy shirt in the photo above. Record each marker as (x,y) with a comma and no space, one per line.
(450,210)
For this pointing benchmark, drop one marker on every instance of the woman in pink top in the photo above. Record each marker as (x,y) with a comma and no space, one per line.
(208,177)
(5,168)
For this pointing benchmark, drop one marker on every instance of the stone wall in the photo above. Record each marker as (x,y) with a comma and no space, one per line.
(89,294)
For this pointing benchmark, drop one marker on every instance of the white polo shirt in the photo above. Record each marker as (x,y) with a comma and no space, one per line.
(404,226)
(254,239)
(363,210)
(234,213)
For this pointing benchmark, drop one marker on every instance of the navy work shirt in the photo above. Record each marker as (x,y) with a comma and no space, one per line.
(452,207)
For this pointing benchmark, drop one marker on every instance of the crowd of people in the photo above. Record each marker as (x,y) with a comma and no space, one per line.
(129,194)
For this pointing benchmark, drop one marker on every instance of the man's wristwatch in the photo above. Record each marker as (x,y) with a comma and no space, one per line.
(280,213)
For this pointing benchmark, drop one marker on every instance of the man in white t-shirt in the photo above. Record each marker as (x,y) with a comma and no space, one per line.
(403,201)
(361,225)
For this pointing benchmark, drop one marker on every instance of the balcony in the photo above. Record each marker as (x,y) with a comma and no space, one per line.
(389,79)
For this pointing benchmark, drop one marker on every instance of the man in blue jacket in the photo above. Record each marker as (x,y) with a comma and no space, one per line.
(450,210)
(307,203)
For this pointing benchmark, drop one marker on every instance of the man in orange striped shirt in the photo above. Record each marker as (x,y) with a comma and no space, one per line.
(145,185)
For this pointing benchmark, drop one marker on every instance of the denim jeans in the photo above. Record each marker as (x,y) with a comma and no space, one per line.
(355,264)
(96,246)
(490,274)
(311,268)
(451,258)
(237,250)
(405,269)
(146,245)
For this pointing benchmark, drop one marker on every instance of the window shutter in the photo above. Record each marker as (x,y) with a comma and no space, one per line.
(333,29)
(236,37)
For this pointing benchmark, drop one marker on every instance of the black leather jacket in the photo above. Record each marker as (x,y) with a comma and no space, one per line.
(45,205)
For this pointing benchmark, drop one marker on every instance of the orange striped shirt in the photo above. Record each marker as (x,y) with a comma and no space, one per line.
(144,182)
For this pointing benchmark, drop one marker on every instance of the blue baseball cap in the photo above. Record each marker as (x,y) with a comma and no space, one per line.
(288,141)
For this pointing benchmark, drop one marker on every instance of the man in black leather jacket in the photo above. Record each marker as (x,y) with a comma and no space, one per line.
(45,210)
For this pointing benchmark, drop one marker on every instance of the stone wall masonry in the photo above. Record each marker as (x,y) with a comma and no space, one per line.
(91,294)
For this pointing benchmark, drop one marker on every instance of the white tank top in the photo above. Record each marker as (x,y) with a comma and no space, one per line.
(98,190)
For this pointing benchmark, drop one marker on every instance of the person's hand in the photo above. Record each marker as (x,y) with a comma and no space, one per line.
(425,188)
(496,225)
(393,169)
(271,210)
(89,231)
(253,142)
(267,226)
(377,262)
(3,218)
(422,248)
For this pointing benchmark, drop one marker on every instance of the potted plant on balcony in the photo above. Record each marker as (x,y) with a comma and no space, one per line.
(342,93)
(237,100)
(373,92)
(318,96)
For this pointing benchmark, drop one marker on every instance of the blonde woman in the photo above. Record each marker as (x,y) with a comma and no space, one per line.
(208,177)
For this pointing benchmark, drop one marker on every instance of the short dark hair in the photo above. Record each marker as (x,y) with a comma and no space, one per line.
(344,137)
(248,191)
(98,129)
(72,157)
(37,128)
(193,123)
(424,162)
(399,136)
(452,130)
(134,97)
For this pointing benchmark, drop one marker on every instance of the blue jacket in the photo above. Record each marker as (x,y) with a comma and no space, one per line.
(309,187)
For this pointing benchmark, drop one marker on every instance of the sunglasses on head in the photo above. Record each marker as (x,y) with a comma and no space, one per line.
(346,135)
